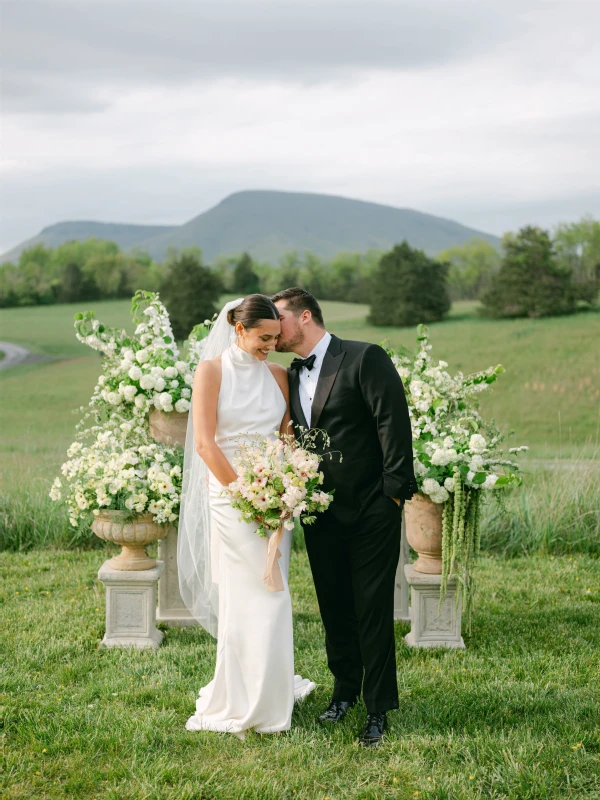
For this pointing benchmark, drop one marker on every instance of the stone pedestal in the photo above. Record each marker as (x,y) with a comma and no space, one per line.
(131,607)
(401,607)
(428,629)
(171,608)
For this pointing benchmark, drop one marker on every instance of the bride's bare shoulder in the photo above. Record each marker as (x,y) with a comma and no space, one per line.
(209,370)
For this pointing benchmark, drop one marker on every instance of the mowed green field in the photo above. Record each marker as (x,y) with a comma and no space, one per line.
(549,395)
(512,717)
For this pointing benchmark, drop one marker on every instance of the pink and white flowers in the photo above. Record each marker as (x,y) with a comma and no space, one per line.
(278,482)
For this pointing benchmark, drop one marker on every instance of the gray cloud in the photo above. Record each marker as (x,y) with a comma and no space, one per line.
(52,48)
(151,111)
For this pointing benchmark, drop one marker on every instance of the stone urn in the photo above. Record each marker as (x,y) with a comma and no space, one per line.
(423,520)
(169,429)
(133,534)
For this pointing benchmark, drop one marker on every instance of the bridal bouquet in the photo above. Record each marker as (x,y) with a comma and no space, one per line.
(278,482)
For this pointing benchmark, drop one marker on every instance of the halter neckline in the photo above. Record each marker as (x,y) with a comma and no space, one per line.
(242,357)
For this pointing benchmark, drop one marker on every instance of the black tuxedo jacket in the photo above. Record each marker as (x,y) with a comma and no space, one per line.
(360,403)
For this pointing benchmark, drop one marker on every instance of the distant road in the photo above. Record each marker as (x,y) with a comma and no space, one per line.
(15,354)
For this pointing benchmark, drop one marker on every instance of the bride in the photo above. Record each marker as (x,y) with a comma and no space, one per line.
(221,560)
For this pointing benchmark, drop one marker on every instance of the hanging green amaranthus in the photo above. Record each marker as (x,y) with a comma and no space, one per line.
(460,543)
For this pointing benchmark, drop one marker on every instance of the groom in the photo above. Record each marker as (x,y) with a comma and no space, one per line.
(353,392)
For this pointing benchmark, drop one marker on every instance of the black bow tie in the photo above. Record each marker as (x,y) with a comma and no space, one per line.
(298,363)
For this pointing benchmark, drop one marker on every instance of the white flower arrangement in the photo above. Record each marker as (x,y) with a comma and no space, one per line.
(114,463)
(118,471)
(146,370)
(457,455)
(449,435)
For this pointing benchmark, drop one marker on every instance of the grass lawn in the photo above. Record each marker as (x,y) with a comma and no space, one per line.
(514,716)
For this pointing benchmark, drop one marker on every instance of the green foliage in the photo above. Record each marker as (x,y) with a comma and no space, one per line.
(578,249)
(471,268)
(190,292)
(245,280)
(408,288)
(530,282)
(75,272)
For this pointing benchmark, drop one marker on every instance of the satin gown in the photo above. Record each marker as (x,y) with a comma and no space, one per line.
(254,686)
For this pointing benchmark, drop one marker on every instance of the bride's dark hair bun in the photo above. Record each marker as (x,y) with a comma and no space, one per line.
(252,310)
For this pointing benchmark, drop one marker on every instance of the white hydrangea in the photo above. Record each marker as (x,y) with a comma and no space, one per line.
(129,392)
(443,457)
(147,382)
(449,484)
(135,373)
(477,443)
(431,486)
(182,405)
(171,372)
(142,356)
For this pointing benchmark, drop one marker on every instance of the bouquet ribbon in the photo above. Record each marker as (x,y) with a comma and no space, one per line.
(272,576)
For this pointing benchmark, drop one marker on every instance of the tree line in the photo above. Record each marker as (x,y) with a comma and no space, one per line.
(533,274)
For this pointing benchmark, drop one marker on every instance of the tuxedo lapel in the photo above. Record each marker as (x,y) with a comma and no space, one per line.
(295,404)
(332,361)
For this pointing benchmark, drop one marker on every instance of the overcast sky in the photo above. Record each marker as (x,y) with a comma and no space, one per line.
(152,111)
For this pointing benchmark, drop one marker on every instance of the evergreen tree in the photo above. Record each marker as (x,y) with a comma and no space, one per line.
(190,292)
(245,280)
(408,287)
(530,282)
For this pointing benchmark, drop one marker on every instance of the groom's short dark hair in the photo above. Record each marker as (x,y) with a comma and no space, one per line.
(299,300)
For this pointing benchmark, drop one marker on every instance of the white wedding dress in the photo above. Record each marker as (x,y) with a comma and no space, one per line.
(254,686)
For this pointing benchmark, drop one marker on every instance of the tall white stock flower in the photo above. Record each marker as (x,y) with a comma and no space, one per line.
(477,443)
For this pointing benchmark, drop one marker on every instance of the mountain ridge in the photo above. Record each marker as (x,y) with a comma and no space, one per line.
(269,223)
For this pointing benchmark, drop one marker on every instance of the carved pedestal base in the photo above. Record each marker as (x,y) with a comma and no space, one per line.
(171,608)
(131,607)
(428,629)
(401,607)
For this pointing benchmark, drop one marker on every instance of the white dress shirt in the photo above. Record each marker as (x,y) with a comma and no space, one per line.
(309,377)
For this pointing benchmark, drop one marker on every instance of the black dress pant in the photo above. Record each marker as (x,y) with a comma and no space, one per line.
(354,567)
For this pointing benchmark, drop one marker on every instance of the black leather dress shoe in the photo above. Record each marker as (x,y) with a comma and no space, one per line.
(374,729)
(336,711)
